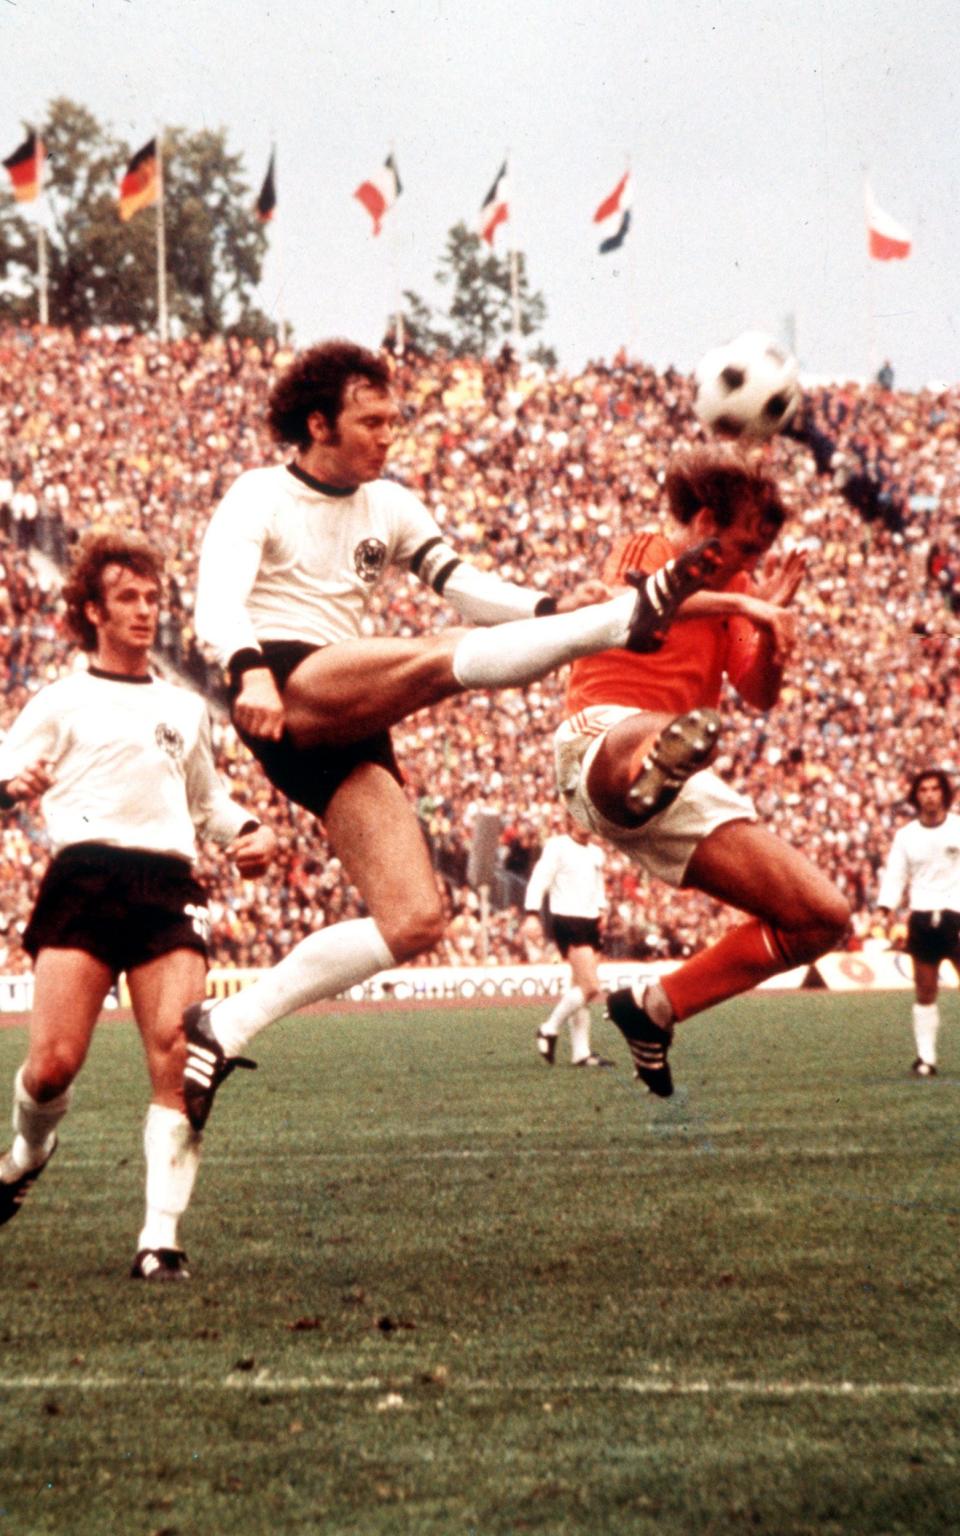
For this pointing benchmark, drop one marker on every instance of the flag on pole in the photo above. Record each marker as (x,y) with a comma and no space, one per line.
(496,206)
(267,201)
(886,239)
(140,186)
(614,214)
(379,194)
(25,166)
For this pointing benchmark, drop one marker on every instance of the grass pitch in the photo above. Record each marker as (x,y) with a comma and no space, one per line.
(440,1288)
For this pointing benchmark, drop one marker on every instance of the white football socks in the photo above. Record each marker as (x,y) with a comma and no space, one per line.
(323,964)
(568,1005)
(926,1026)
(650,996)
(172,1151)
(510,655)
(580,1034)
(34,1124)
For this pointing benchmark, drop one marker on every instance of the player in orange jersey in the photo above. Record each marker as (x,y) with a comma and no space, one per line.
(632,754)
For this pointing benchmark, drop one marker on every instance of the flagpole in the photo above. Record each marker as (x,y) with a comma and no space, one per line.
(43,302)
(399,340)
(514,263)
(42,293)
(870,289)
(634,343)
(278,250)
(162,319)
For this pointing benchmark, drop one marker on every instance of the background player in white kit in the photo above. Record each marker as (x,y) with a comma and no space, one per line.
(122,760)
(923,866)
(568,876)
(289,561)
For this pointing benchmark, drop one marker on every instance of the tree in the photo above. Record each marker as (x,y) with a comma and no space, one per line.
(479,318)
(103,271)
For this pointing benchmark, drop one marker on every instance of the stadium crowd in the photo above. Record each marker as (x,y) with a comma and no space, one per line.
(534,472)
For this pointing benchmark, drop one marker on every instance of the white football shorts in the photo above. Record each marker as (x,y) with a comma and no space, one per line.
(665,844)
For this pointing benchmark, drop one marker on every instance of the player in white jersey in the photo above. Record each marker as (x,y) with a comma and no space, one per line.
(123,763)
(288,564)
(568,877)
(923,867)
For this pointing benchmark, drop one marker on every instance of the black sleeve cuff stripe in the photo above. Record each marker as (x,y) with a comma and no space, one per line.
(433,563)
(443,576)
(242,661)
(418,558)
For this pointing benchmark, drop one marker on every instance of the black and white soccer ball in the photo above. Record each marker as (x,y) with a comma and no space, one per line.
(748,388)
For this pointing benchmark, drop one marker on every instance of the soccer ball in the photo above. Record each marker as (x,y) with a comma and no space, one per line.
(748,387)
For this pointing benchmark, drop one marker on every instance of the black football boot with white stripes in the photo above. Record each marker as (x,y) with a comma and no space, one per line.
(660,594)
(16,1184)
(206,1065)
(648,1043)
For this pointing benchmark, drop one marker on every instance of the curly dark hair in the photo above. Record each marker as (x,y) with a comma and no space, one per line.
(726,481)
(315,381)
(946,788)
(97,549)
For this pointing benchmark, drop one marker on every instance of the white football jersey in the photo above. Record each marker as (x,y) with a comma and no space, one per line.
(571,874)
(924,865)
(132,764)
(284,559)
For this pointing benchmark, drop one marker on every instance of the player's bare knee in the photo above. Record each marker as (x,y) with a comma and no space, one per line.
(50,1075)
(420,931)
(824,927)
(167,1051)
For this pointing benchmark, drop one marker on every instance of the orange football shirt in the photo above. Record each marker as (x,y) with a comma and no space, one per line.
(688,670)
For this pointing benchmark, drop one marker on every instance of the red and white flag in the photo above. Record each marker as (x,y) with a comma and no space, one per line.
(886,239)
(496,206)
(379,194)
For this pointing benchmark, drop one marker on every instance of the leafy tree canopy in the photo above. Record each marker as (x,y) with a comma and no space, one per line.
(103,271)
(479,317)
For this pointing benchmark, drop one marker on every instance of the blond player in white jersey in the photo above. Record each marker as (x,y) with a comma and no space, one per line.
(123,763)
(923,869)
(568,879)
(289,562)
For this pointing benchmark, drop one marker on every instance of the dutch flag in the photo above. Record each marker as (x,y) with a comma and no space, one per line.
(614,215)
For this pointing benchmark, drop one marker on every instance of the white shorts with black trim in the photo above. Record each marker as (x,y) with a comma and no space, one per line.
(665,844)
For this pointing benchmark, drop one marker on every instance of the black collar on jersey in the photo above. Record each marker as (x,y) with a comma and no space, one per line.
(320,485)
(117,677)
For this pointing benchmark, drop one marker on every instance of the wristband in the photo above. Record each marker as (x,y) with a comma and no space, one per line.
(545,606)
(249,826)
(244,661)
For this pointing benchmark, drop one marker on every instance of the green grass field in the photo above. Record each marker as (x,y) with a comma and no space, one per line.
(440,1288)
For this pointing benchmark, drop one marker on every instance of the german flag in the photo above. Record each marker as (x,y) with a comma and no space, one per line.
(25,166)
(267,201)
(140,186)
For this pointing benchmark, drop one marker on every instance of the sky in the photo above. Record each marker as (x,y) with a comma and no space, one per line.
(748,126)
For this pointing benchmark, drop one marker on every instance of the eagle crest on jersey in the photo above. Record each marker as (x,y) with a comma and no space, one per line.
(169,740)
(369,558)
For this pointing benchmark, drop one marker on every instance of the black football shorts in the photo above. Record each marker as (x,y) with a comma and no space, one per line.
(124,906)
(934,936)
(310,776)
(570,932)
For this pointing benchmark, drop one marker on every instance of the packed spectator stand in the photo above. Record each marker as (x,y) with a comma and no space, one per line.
(534,472)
